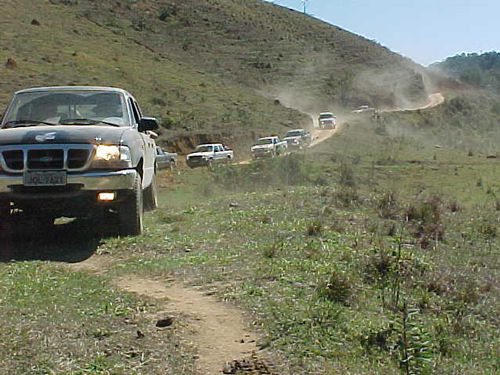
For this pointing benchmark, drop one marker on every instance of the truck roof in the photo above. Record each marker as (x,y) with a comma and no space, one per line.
(73,88)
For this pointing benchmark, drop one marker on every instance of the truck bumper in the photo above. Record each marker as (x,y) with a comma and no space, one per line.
(11,186)
(197,163)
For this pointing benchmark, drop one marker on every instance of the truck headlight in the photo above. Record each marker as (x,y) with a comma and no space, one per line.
(111,155)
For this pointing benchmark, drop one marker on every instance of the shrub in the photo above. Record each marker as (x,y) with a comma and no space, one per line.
(387,205)
(346,196)
(426,218)
(290,170)
(338,288)
(346,174)
(315,227)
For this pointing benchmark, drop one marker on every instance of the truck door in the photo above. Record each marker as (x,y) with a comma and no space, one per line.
(217,153)
(148,145)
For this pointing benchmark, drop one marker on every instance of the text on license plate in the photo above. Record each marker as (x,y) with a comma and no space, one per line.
(45,178)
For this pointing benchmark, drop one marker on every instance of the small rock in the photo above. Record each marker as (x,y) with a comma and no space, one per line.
(166,322)
(491,157)
(35,22)
(229,368)
(11,63)
(140,335)
(234,204)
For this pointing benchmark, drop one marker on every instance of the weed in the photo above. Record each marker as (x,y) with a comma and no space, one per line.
(346,174)
(338,288)
(169,217)
(414,344)
(454,206)
(387,205)
(315,228)
(272,250)
(426,215)
(346,196)
(380,339)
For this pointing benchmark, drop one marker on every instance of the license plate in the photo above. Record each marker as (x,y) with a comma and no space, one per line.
(45,178)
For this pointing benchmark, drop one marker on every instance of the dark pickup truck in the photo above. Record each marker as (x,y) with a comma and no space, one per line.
(77,152)
(298,138)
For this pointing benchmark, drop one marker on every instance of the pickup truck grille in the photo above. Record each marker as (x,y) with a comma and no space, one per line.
(16,159)
(46,159)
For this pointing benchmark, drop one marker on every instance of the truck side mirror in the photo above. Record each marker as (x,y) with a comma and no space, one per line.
(147,123)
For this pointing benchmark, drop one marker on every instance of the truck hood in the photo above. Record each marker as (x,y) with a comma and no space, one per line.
(262,147)
(200,154)
(96,134)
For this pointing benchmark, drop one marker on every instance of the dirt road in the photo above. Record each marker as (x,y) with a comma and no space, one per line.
(216,329)
(433,100)
(320,135)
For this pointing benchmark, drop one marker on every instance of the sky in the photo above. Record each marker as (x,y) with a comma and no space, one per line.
(426,31)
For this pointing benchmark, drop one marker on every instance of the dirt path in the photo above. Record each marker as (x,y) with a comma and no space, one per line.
(432,101)
(320,135)
(217,329)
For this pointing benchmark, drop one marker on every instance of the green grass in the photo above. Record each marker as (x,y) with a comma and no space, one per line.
(58,321)
(343,260)
(327,279)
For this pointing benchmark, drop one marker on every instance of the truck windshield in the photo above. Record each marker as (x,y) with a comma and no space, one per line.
(66,107)
(265,141)
(326,115)
(294,133)
(204,148)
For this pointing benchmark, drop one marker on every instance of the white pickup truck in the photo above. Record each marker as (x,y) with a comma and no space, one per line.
(209,154)
(268,147)
(327,120)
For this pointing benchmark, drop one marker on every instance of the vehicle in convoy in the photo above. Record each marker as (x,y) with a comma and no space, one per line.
(298,138)
(363,108)
(327,120)
(209,154)
(165,159)
(83,152)
(268,147)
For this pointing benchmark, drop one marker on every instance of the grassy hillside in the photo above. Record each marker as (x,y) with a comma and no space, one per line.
(279,52)
(204,67)
(62,48)
(468,121)
(480,71)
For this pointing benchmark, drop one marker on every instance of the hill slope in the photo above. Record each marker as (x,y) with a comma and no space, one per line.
(275,50)
(481,71)
(208,69)
(51,45)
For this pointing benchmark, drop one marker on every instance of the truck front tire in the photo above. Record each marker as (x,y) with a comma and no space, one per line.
(131,211)
(151,196)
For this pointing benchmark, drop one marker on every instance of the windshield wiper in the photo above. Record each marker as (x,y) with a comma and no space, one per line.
(21,123)
(85,121)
